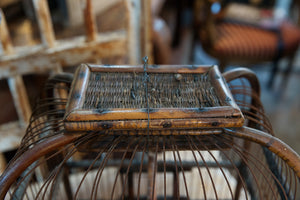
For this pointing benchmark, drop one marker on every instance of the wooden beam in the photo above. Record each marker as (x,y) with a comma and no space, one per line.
(16,84)
(90,24)
(4,3)
(146,30)
(134,39)
(68,53)
(4,36)
(2,163)
(11,135)
(18,92)
(44,20)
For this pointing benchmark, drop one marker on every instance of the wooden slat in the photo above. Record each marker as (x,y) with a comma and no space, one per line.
(44,20)
(4,36)
(90,24)
(2,163)
(18,91)
(4,3)
(57,69)
(82,76)
(154,124)
(11,134)
(161,113)
(68,53)
(182,69)
(134,39)
(146,26)
(75,6)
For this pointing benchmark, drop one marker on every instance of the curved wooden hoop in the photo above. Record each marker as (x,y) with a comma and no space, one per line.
(243,73)
(272,143)
(20,164)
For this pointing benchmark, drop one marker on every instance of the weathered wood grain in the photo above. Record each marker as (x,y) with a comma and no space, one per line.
(4,36)
(185,69)
(161,113)
(89,19)
(67,53)
(19,94)
(11,135)
(44,21)
(157,124)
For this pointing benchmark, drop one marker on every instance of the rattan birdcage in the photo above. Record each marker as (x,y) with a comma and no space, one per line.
(151,132)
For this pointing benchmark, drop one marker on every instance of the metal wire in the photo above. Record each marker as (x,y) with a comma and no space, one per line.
(112,165)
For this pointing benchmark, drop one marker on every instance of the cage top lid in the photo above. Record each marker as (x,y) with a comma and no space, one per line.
(158,97)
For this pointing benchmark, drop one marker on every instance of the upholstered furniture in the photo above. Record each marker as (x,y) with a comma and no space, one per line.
(239,34)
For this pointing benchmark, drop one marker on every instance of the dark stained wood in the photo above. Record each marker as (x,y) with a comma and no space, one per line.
(272,143)
(228,114)
(151,68)
(243,73)
(161,113)
(89,19)
(14,170)
(77,92)
(154,124)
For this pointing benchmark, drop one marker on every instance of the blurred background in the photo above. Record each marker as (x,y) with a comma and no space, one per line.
(39,38)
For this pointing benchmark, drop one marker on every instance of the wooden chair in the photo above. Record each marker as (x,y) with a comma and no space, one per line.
(177,140)
(52,55)
(244,38)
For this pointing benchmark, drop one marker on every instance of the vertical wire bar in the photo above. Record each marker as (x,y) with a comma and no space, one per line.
(218,164)
(195,148)
(4,36)
(154,195)
(151,170)
(248,158)
(103,165)
(198,166)
(48,180)
(235,168)
(60,171)
(165,173)
(90,24)
(176,182)
(128,175)
(122,161)
(141,170)
(182,169)
(87,171)
(45,23)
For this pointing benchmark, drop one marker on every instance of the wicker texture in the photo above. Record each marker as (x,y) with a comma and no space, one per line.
(127,90)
